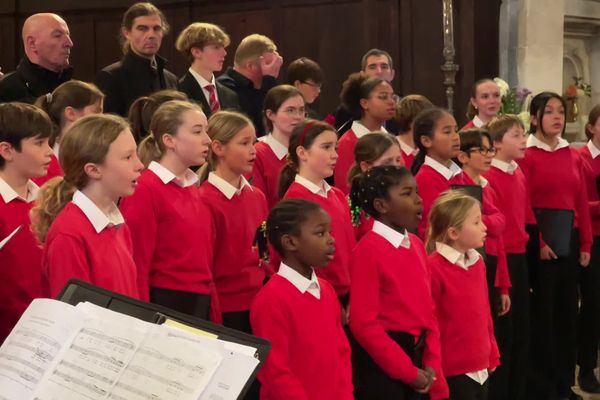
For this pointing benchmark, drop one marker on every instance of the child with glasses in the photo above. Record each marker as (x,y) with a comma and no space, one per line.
(306,75)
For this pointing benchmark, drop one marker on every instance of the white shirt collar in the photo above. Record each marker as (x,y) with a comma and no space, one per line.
(478,122)
(505,167)
(201,81)
(395,238)
(300,282)
(97,218)
(447,173)
(594,151)
(360,130)
(278,148)
(315,189)
(407,149)
(56,149)
(483,182)
(166,176)
(532,141)
(9,194)
(225,187)
(456,257)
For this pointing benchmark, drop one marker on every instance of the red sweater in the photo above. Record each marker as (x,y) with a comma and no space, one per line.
(391,291)
(337,207)
(20,264)
(556,180)
(468,125)
(172,236)
(310,358)
(345,160)
(265,173)
(236,267)
(54,170)
(512,200)
(431,184)
(463,313)
(74,249)
(592,173)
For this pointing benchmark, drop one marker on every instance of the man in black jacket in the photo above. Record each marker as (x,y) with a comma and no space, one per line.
(255,69)
(204,46)
(47,44)
(141,71)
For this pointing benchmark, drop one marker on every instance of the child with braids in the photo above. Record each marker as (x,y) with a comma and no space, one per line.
(396,348)
(300,313)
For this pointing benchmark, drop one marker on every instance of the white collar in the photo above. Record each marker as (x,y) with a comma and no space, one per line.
(300,282)
(278,148)
(407,149)
(225,187)
(482,181)
(200,79)
(166,176)
(505,167)
(97,218)
(447,173)
(456,257)
(56,149)
(478,122)
(594,151)
(360,130)
(395,238)
(315,189)
(9,194)
(532,141)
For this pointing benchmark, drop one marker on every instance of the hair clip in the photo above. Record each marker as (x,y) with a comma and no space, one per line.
(355,213)
(48,97)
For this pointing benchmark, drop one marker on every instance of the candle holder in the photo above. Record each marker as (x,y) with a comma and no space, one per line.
(449,68)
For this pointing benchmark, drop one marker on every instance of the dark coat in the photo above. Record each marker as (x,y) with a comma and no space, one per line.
(228,99)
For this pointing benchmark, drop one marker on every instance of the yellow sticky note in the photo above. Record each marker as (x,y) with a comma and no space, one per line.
(189,329)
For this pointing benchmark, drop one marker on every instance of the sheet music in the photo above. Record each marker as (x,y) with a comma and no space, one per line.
(6,239)
(33,344)
(91,364)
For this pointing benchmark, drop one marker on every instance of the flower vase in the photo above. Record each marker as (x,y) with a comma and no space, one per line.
(572,109)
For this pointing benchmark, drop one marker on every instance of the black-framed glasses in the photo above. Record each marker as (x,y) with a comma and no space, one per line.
(484,151)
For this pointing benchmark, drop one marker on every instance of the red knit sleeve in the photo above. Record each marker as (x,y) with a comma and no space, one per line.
(344,162)
(65,259)
(502,279)
(583,211)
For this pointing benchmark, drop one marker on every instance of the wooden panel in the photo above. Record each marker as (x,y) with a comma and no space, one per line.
(82,53)
(8,43)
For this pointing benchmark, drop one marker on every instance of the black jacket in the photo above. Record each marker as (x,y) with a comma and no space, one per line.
(132,77)
(228,99)
(30,81)
(251,99)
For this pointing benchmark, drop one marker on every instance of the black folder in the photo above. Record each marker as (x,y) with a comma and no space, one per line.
(475,191)
(77,291)
(555,226)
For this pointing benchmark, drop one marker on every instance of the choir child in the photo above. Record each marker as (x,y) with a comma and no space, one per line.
(484,103)
(407,110)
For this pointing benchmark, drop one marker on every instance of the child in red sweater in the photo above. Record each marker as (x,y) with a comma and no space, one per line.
(371,101)
(299,313)
(236,210)
(484,104)
(407,110)
(436,137)
(76,217)
(397,348)
(66,104)
(507,180)
(24,154)
(312,157)
(556,180)
(283,110)
(172,250)
(459,288)
(373,150)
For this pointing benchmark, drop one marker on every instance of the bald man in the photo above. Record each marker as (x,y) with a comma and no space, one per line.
(47,44)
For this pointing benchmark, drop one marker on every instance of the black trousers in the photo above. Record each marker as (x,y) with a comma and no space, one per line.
(189,303)
(589,313)
(554,312)
(464,388)
(372,383)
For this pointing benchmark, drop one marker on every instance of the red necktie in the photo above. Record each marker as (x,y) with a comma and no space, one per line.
(213,103)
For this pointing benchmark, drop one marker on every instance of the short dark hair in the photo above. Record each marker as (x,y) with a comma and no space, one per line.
(140,10)
(304,69)
(286,218)
(374,52)
(20,121)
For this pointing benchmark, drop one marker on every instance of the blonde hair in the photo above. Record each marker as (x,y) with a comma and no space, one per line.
(87,141)
(252,47)
(200,34)
(166,119)
(449,211)
(222,127)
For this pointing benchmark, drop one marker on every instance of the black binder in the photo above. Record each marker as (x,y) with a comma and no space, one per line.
(475,191)
(555,226)
(77,291)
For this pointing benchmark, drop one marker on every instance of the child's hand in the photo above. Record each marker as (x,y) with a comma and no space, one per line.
(584,259)
(345,315)
(431,374)
(546,253)
(504,304)
(422,381)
